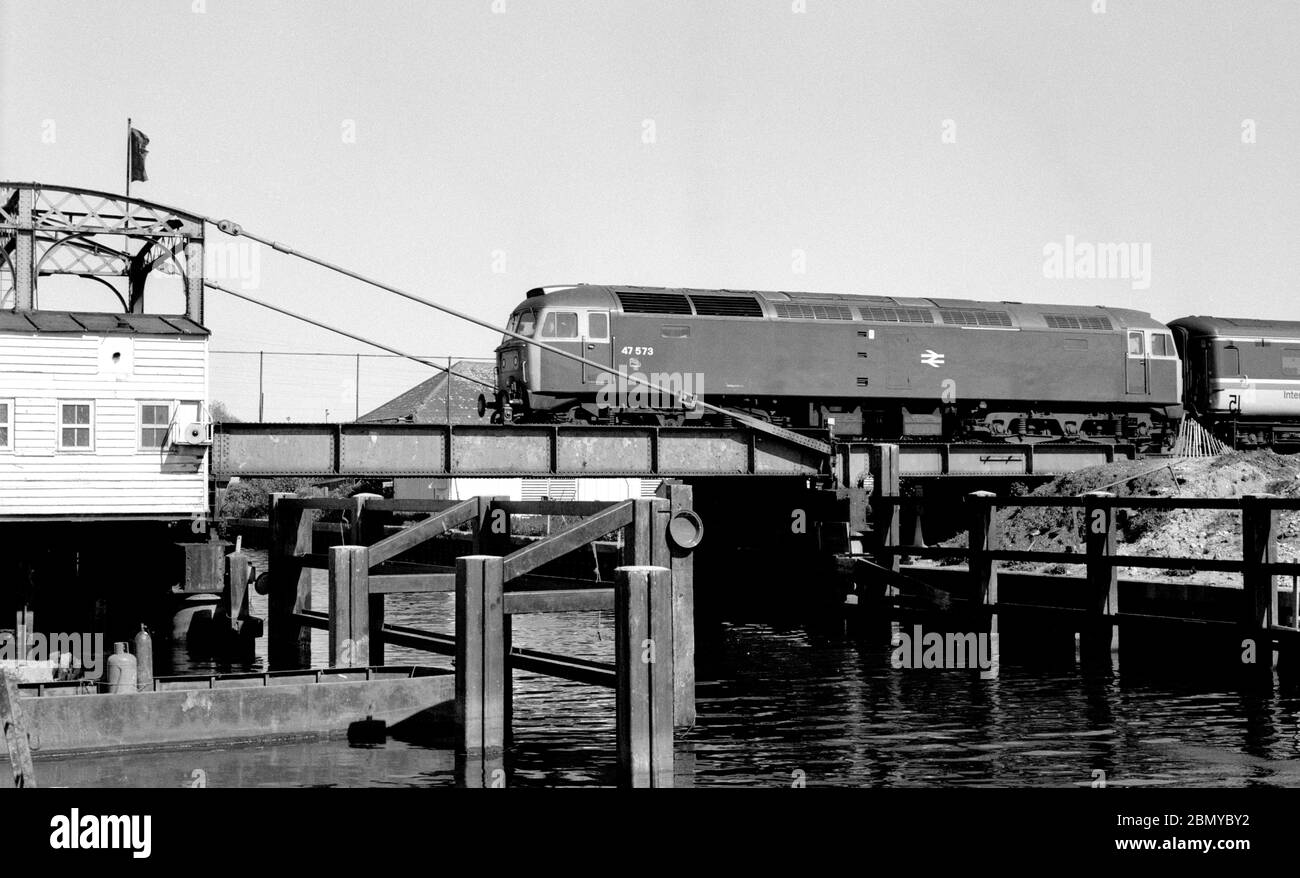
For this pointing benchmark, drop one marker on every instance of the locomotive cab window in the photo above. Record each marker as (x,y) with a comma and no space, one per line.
(560,324)
(1162,345)
(1136,348)
(598,326)
(524,323)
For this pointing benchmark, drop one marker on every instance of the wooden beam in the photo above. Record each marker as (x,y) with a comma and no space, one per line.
(643,666)
(681,499)
(559,600)
(411,583)
(288,642)
(16,735)
(983,538)
(480,655)
(349,607)
(1098,635)
(576,536)
(1259,528)
(425,529)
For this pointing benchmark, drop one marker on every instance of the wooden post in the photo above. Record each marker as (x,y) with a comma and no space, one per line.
(349,606)
(644,676)
(480,654)
(1259,526)
(14,726)
(1098,635)
(638,540)
(288,643)
(492,537)
(681,499)
(984,537)
(886,481)
(367,529)
(236,593)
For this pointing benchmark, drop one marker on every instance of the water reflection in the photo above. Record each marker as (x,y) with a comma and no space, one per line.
(782,707)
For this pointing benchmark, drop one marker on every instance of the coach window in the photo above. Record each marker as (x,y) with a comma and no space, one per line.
(76,430)
(598,326)
(6,425)
(1135,347)
(560,324)
(1291,362)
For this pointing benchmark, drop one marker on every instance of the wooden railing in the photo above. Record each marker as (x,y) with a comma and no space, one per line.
(1258,565)
(652,597)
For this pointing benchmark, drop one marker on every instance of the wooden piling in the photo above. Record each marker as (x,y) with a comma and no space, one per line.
(16,737)
(984,537)
(480,654)
(365,528)
(1259,527)
(288,641)
(681,563)
(643,662)
(1098,635)
(883,464)
(349,570)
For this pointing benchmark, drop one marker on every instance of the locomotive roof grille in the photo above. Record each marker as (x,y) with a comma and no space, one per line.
(726,306)
(972,317)
(897,315)
(1072,321)
(796,310)
(653,303)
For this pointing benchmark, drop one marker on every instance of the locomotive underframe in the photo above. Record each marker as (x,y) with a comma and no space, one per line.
(872,418)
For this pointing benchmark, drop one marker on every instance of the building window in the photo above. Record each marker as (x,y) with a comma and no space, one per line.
(6,425)
(155,425)
(76,430)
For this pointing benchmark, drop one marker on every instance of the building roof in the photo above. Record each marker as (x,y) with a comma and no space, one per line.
(97,323)
(426,402)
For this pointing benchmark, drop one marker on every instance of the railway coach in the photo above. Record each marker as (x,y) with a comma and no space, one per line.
(878,367)
(1243,378)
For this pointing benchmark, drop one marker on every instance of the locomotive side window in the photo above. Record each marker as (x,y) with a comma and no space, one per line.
(560,324)
(598,326)
(1135,345)
(1162,345)
(674,331)
(1291,362)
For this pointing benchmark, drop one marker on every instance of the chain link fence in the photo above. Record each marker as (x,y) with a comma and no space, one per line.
(251,385)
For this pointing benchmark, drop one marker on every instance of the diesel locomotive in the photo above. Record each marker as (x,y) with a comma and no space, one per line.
(880,367)
(896,368)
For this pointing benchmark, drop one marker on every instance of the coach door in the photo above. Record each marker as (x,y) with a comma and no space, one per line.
(1137,366)
(596,347)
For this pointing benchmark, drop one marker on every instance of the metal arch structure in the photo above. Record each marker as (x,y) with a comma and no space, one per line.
(63,230)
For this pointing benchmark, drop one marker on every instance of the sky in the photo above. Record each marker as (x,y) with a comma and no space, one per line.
(468,150)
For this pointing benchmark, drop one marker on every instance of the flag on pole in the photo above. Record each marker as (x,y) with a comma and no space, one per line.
(138,148)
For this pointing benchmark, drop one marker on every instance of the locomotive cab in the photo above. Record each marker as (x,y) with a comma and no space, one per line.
(540,382)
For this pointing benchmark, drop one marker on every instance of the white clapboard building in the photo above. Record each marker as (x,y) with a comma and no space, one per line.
(102,415)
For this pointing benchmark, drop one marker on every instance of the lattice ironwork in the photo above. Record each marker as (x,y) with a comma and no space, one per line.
(60,230)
